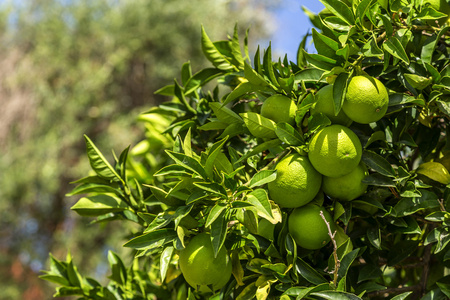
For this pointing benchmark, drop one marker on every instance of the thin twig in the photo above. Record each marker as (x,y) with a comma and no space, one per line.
(337,262)
(396,290)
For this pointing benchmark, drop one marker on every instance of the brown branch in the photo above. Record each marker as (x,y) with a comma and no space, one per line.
(426,269)
(396,290)
(337,262)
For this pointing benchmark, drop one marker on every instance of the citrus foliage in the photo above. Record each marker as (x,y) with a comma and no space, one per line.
(391,242)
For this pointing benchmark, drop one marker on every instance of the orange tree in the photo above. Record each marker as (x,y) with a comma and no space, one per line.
(226,170)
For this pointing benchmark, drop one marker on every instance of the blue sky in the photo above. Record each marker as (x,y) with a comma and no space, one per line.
(292,25)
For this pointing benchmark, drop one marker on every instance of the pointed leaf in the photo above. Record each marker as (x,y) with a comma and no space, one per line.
(99,163)
(213,54)
(99,205)
(188,163)
(262,178)
(260,200)
(289,135)
(152,240)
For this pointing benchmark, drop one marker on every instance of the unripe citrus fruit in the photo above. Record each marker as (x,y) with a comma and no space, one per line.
(346,187)
(308,228)
(366,100)
(199,266)
(325,104)
(279,108)
(297,181)
(335,151)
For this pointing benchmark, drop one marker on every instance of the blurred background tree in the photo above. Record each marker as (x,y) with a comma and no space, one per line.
(70,68)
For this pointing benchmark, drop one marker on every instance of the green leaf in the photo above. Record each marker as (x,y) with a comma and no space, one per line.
(376,136)
(400,251)
(93,188)
(254,78)
(268,66)
(324,45)
(339,90)
(152,240)
(395,48)
(334,295)
(341,10)
(224,114)
(309,273)
(369,272)
(402,296)
(408,206)
(213,54)
(99,163)
(213,188)
(258,125)
(289,135)
(346,262)
(378,163)
(213,152)
(215,212)
(260,200)
(188,163)
(319,61)
(165,258)
(374,236)
(435,171)
(430,45)
(418,82)
(118,270)
(241,90)
(309,75)
(219,232)
(262,178)
(200,79)
(99,205)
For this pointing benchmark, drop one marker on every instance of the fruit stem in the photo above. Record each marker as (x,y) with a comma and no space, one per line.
(337,262)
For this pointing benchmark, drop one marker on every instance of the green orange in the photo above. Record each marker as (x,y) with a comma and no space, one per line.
(297,182)
(308,228)
(199,266)
(335,150)
(279,108)
(325,104)
(366,100)
(346,187)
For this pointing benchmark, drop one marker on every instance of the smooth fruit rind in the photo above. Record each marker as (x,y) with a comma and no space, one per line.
(325,104)
(335,151)
(308,228)
(199,266)
(347,187)
(297,182)
(279,109)
(366,100)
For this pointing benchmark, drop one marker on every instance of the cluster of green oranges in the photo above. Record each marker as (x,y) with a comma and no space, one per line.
(332,164)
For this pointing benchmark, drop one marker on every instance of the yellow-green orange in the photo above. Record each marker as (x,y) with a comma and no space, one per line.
(366,100)
(199,266)
(297,181)
(325,104)
(279,108)
(308,228)
(346,187)
(335,151)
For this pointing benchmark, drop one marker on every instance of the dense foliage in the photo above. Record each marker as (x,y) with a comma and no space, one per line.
(83,67)
(208,168)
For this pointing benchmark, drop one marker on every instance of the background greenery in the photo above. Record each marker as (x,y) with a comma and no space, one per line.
(70,68)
